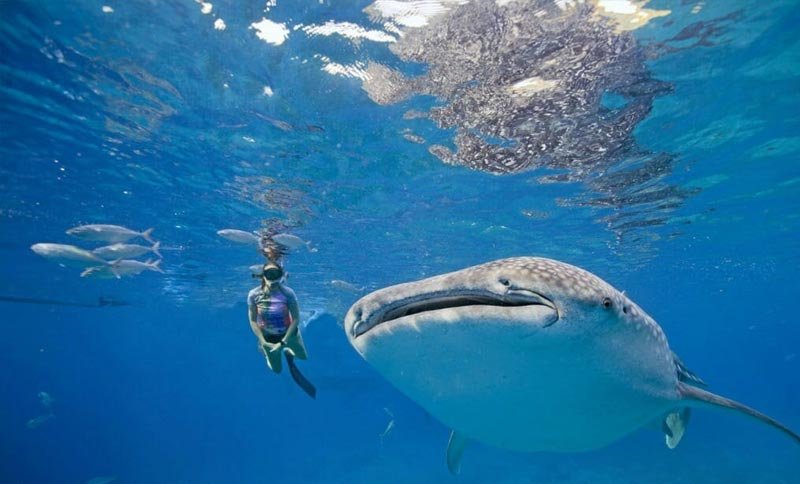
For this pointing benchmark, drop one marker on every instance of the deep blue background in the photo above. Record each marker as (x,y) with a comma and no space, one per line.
(172,389)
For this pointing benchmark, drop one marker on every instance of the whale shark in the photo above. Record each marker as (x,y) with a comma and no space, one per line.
(530,354)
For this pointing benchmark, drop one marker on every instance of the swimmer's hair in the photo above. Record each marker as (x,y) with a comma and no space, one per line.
(272,251)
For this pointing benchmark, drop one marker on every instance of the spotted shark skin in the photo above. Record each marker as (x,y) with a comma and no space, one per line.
(529,354)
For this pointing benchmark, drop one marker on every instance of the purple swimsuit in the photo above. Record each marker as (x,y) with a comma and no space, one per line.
(273,311)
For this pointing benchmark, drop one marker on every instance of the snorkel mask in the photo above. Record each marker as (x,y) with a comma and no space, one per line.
(272,273)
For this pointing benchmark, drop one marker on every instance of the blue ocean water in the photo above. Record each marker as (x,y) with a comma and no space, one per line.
(655,145)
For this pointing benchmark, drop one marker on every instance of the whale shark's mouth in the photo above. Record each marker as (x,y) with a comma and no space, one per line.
(435,302)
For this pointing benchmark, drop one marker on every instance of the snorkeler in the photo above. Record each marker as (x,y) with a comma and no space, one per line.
(274,318)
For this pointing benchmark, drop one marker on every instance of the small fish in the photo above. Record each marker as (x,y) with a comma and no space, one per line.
(125,251)
(388,430)
(122,268)
(67,255)
(45,399)
(282,125)
(36,422)
(256,269)
(389,426)
(292,241)
(108,233)
(240,236)
(346,286)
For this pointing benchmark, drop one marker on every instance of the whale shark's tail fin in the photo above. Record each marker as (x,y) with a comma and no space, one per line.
(695,394)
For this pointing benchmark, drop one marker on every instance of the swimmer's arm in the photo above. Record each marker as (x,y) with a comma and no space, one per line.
(294,311)
(252,314)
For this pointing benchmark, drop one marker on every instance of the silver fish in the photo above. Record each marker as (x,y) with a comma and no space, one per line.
(36,422)
(125,251)
(108,233)
(122,268)
(346,286)
(67,255)
(240,236)
(389,426)
(292,242)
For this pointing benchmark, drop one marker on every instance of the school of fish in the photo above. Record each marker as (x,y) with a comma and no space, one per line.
(113,261)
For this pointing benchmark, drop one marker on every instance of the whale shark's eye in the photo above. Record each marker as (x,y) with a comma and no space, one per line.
(504,281)
(607,302)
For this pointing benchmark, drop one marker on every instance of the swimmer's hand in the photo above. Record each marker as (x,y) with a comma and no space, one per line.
(268,347)
(283,344)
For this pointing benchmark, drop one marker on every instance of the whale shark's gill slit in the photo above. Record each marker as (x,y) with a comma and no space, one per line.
(446,303)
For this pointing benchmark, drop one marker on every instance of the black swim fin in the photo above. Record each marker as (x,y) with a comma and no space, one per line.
(298,377)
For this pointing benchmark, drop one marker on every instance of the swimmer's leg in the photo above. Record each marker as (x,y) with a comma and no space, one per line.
(273,358)
(296,345)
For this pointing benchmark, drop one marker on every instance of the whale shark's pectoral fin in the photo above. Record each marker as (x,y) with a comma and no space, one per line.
(698,396)
(455,449)
(674,426)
